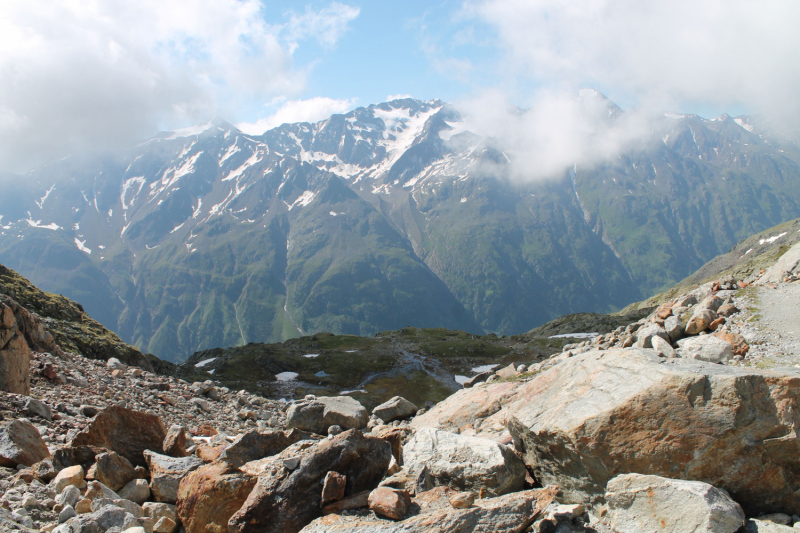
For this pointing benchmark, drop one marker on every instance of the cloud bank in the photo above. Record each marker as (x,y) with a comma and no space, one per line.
(75,75)
(309,110)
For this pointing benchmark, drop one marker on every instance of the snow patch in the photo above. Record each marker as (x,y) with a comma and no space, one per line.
(461,379)
(40,203)
(38,224)
(311,355)
(483,368)
(286,376)
(303,200)
(743,124)
(574,336)
(771,239)
(82,246)
(204,362)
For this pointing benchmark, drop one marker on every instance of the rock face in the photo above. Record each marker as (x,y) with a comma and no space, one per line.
(125,431)
(285,501)
(788,265)
(21,444)
(604,413)
(463,463)
(511,513)
(210,495)
(15,356)
(638,503)
(166,474)
(318,415)
(397,408)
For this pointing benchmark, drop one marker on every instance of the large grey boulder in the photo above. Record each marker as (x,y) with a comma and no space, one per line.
(463,463)
(397,408)
(706,348)
(319,414)
(603,413)
(166,474)
(788,265)
(644,336)
(21,444)
(639,503)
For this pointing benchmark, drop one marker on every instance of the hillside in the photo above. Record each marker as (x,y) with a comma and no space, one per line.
(389,216)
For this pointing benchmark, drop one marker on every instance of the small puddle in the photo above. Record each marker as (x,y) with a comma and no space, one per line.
(286,376)
(484,368)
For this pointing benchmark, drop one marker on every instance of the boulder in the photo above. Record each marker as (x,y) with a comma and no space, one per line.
(638,503)
(788,265)
(34,407)
(391,503)
(96,490)
(333,487)
(256,445)
(166,474)
(209,496)
(727,310)
(21,444)
(112,470)
(285,501)
(603,413)
(440,458)
(513,512)
(125,431)
(700,321)
(71,476)
(157,511)
(738,343)
(175,442)
(397,408)
(663,348)
(15,355)
(359,500)
(477,378)
(644,336)
(507,372)
(136,490)
(72,456)
(319,414)
(706,348)
(674,328)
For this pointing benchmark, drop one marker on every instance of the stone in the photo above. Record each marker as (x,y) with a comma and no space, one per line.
(674,328)
(125,431)
(638,503)
(175,442)
(69,495)
(66,513)
(209,454)
(738,343)
(507,372)
(83,506)
(34,407)
(700,321)
(663,348)
(763,526)
(318,415)
(644,336)
(72,456)
(462,500)
(477,378)
(787,266)
(15,355)
(135,529)
(398,408)
(209,496)
(258,444)
(391,503)
(115,364)
(72,475)
(110,516)
(706,348)
(777,518)
(21,444)
(88,410)
(513,512)
(165,525)
(201,404)
(129,506)
(712,302)
(157,511)
(727,310)
(333,487)
(599,414)
(44,470)
(96,490)
(464,463)
(348,503)
(291,462)
(112,470)
(166,473)
(287,501)
(136,490)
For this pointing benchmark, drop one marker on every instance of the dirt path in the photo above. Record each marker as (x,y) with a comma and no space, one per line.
(771,324)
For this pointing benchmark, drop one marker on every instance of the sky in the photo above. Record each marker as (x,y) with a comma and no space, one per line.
(102,74)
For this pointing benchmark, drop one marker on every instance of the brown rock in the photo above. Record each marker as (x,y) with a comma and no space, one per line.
(125,431)
(78,455)
(175,442)
(507,372)
(356,501)
(44,471)
(209,496)
(462,500)
(333,487)
(21,444)
(209,454)
(740,346)
(719,321)
(394,436)
(165,525)
(166,473)
(84,506)
(72,475)
(256,445)
(112,470)
(664,312)
(205,430)
(727,310)
(700,321)
(15,359)
(391,503)
(285,501)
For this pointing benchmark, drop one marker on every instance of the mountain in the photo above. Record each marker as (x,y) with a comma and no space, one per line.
(391,215)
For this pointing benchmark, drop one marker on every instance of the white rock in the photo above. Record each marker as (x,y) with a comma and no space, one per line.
(706,348)
(663,348)
(639,503)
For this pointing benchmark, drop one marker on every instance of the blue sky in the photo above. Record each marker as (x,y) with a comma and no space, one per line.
(100,75)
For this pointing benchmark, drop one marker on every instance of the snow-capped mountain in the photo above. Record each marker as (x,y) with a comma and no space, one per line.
(387,216)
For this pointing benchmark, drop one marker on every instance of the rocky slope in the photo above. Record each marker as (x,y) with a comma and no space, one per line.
(389,216)
(670,423)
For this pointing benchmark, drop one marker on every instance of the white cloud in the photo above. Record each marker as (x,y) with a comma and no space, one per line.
(659,53)
(78,74)
(310,110)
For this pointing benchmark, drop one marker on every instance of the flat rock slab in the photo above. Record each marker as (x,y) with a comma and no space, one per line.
(604,413)
(511,513)
(125,431)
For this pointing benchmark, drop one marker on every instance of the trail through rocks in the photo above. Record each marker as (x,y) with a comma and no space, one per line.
(770,322)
